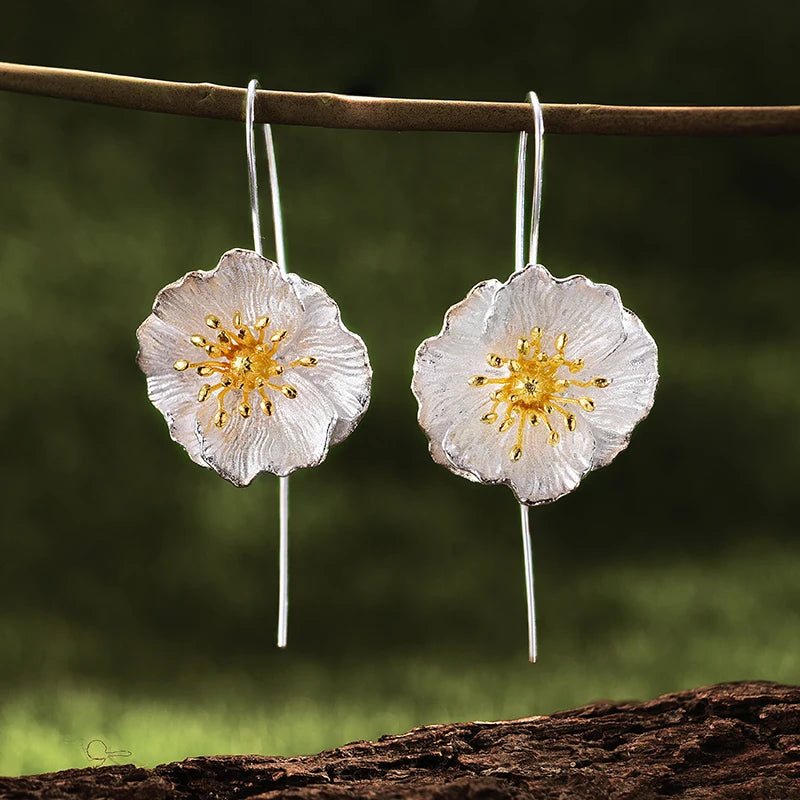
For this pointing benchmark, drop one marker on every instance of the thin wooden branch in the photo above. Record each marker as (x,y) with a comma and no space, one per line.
(325,110)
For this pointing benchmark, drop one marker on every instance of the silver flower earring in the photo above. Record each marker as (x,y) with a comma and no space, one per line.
(536,381)
(251,366)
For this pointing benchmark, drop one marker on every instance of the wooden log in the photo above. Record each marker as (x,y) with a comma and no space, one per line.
(736,740)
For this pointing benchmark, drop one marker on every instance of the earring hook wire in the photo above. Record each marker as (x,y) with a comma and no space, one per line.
(536,209)
(277,220)
(520,260)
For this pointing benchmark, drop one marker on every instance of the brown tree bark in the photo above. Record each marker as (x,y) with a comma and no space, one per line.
(737,740)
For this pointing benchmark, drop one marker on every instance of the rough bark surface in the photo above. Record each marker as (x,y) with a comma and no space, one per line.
(738,740)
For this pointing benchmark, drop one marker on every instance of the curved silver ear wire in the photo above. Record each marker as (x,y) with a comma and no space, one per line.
(249,141)
(520,261)
(536,210)
(277,218)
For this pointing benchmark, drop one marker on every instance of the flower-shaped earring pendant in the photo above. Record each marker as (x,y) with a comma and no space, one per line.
(536,381)
(251,366)
(253,370)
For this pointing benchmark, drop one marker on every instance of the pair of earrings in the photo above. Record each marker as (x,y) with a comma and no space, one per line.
(531,383)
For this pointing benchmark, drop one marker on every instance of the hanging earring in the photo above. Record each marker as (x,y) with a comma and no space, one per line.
(536,381)
(278,377)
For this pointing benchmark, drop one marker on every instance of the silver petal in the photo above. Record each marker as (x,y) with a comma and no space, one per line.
(542,474)
(443,365)
(294,437)
(632,369)
(343,373)
(173,393)
(590,313)
(242,281)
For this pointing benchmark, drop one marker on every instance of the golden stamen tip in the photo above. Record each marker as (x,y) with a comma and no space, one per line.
(514,365)
(553,439)
(181,365)
(221,418)
(308,361)
(237,319)
(205,391)
(223,337)
(227,380)
(489,418)
(278,369)
(477,380)
(571,422)
(497,394)
(261,322)
(587,404)
(536,333)
(576,365)
(212,321)
(245,410)
(515,454)
(266,407)
(601,383)
(561,342)
(506,424)
(534,419)
(523,347)
(204,371)
(289,391)
(213,350)
(278,336)
(199,341)
(494,360)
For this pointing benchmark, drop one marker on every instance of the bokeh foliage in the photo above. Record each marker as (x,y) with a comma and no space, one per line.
(137,591)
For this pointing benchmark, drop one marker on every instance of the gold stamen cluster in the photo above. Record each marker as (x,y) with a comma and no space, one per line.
(532,390)
(243,362)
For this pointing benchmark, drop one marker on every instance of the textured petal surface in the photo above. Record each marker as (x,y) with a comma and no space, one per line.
(444,364)
(173,393)
(242,281)
(294,437)
(254,285)
(542,474)
(343,374)
(590,313)
(632,369)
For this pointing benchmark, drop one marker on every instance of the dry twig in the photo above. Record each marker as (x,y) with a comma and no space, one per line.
(380,113)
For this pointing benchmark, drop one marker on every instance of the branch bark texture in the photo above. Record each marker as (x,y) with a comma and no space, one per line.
(326,110)
(729,742)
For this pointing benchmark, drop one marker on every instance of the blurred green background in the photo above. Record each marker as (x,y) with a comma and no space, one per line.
(138,591)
